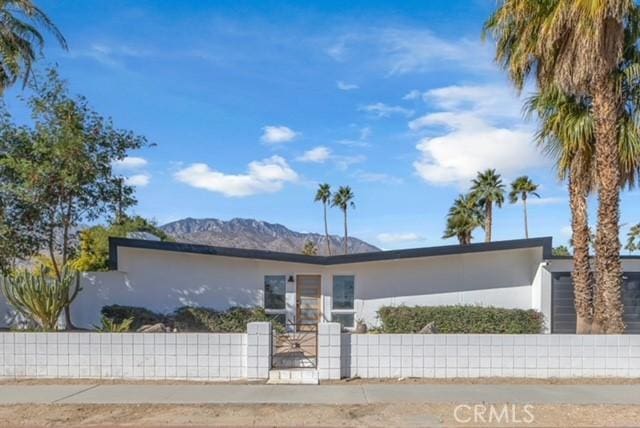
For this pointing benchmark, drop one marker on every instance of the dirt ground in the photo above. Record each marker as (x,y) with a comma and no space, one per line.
(390,415)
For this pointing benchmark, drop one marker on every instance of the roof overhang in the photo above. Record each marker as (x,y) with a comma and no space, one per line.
(114,243)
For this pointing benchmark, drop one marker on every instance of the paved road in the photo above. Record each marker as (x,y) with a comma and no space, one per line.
(322,394)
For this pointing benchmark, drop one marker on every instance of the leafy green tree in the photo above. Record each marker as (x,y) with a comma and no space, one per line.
(21,41)
(19,214)
(310,249)
(487,189)
(94,242)
(560,250)
(578,46)
(521,188)
(64,163)
(343,199)
(323,194)
(463,218)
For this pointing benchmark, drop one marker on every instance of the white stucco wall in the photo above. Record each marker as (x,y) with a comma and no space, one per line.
(163,281)
(499,278)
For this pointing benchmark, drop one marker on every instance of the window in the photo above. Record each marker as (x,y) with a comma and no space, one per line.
(342,309)
(274,292)
(343,292)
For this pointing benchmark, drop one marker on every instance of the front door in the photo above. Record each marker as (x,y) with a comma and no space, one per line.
(307,301)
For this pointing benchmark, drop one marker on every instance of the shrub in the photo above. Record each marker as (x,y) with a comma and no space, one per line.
(460,319)
(140,316)
(188,318)
(41,297)
(107,325)
(233,320)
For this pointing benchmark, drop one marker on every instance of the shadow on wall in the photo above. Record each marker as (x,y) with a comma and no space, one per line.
(107,288)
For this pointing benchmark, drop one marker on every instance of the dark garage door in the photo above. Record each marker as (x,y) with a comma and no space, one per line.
(563,313)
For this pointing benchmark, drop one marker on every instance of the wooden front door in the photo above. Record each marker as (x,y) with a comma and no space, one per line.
(307,300)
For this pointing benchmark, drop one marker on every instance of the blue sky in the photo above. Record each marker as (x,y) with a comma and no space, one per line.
(251,104)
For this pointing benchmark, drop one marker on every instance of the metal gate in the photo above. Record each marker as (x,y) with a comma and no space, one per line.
(295,346)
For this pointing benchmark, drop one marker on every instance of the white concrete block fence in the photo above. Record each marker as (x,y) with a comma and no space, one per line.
(490,355)
(223,357)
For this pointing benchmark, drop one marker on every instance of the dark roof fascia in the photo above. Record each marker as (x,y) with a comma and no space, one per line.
(622,257)
(445,250)
(545,243)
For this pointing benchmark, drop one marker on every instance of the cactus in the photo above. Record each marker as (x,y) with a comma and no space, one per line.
(39,296)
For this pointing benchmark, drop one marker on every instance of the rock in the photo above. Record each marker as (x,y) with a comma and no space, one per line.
(361,328)
(429,328)
(153,328)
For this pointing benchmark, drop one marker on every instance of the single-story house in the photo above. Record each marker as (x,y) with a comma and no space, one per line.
(163,276)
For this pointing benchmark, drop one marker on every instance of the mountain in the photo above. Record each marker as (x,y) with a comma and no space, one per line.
(255,234)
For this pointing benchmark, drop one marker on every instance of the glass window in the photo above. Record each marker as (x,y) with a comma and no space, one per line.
(345,319)
(274,292)
(343,291)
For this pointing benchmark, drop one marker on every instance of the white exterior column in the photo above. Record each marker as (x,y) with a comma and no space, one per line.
(329,338)
(258,350)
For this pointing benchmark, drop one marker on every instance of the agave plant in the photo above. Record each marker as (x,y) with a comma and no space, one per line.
(109,325)
(40,296)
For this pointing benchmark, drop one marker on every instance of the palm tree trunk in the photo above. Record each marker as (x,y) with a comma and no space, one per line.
(582,275)
(326,229)
(346,236)
(606,108)
(526,224)
(487,222)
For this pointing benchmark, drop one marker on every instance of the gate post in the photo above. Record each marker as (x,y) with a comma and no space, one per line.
(258,350)
(329,343)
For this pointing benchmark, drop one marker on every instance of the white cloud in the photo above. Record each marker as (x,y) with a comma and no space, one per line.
(344,86)
(353,143)
(266,176)
(365,133)
(396,238)
(411,51)
(278,134)
(130,162)
(470,146)
(488,100)
(412,95)
(376,177)
(384,110)
(477,128)
(544,201)
(344,162)
(112,56)
(318,154)
(566,231)
(138,180)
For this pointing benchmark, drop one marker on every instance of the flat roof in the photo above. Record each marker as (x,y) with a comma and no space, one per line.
(181,247)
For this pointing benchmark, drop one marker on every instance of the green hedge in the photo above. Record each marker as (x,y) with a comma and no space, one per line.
(188,318)
(460,319)
(233,320)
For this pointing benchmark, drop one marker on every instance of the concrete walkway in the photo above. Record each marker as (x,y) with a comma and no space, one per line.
(323,394)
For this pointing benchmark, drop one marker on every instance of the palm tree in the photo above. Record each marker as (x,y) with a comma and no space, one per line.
(521,188)
(463,218)
(323,194)
(20,39)
(487,189)
(567,133)
(343,199)
(578,46)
